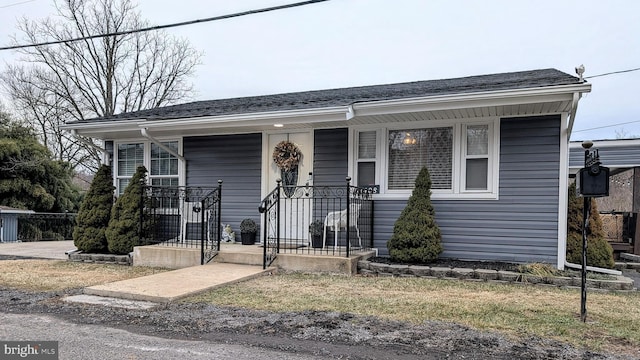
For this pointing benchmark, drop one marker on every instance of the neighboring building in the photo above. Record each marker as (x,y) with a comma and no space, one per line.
(622,157)
(496,147)
(9,223)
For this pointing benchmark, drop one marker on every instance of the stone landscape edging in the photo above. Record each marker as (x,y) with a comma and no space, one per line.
(100,258)
(369,268)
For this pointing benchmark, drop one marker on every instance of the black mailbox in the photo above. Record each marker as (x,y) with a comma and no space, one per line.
(593,181)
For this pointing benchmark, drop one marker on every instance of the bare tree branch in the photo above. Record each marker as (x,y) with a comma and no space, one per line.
(94,77)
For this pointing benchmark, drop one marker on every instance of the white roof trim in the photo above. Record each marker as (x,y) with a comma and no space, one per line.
(345,113)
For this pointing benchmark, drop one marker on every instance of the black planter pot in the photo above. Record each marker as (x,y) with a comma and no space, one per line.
(316,241)
(248,238)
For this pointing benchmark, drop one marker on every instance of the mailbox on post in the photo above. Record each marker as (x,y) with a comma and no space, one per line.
(593,179)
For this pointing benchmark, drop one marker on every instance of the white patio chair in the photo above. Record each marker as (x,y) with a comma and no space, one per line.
(338,220)
(191,214)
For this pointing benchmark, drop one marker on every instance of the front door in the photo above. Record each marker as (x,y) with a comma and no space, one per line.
(295,210)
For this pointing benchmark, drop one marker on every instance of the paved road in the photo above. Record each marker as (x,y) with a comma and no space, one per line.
(89,342)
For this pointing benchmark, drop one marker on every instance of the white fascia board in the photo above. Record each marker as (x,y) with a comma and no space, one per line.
(470,100)
(337,113)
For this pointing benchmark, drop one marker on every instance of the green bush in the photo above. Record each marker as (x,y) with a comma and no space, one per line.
(416,236)
(123,232)
(89,235)
(599,251)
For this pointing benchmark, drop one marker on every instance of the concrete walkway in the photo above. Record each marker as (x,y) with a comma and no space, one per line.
(158,288)
(38,249)
(173,285)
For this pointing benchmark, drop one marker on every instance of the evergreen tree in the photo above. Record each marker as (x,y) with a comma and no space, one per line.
(29,178)
(123,232)
(416,236)
(599,251)
(95,211)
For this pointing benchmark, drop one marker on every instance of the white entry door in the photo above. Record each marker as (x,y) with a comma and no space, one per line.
(295,211)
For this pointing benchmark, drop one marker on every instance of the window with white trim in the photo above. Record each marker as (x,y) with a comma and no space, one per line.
(476,157)
(461,158)
(411,149)
(163,167)
(129,156)
(366,159)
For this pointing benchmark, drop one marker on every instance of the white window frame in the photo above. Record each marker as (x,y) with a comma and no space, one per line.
(458,187)
(146,161)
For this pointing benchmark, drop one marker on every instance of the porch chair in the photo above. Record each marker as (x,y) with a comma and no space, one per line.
(191,214)
(338,220)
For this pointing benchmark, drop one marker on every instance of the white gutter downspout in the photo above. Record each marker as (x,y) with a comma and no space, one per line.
(574,108)
(146,134)
(106,157)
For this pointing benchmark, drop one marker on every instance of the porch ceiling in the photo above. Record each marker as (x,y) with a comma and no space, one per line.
(211,126)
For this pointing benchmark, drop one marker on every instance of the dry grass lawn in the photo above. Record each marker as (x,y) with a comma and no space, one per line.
(51,275)
(516,310)
(519,311)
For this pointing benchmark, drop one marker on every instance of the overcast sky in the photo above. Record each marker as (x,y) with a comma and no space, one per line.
(343,43)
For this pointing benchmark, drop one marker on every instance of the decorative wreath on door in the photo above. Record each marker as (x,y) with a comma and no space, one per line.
(286,155)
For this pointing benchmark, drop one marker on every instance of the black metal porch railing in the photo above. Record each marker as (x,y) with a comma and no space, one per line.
(316,220)
(46,226)
(182,216)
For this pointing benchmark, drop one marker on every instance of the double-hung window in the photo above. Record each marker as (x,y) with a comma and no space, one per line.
(461,158)
(130,156)
(163,167)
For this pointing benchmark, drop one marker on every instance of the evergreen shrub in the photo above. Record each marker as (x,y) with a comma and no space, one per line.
(416,236)
(599,251)
(123,232)
(89,235)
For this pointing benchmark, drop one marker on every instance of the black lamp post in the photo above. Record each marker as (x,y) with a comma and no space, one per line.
(592,181)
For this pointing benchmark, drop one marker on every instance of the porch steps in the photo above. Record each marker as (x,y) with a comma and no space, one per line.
(176,284)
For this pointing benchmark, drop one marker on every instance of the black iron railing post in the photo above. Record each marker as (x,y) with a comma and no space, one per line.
(278,187)
(143,187)
(219,217)
(348,239)
(203,203)
(265,225)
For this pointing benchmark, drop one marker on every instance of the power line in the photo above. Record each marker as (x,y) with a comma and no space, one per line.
(14,4)
(159,27)
(612,73)
(608,126)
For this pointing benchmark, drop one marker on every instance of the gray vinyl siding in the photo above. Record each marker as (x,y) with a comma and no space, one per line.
(234,159)
(330,157)
(522,226)
(611,156)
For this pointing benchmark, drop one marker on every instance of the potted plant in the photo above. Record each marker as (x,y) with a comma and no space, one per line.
(316,230)
(248,230)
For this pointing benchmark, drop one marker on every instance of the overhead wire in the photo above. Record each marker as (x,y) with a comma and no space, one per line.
(166,26)
(15,4)
(608,126)
(612,73)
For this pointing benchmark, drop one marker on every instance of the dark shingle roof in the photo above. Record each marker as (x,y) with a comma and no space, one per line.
(346,96)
